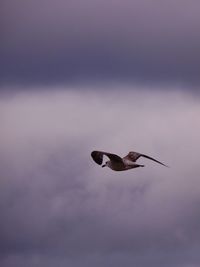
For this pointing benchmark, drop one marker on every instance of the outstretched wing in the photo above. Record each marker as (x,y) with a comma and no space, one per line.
(98,157)
(133,156)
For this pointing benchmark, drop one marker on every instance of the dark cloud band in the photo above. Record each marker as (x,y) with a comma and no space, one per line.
(71,41)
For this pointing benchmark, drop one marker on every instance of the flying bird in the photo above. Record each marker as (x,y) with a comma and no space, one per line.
(117,163)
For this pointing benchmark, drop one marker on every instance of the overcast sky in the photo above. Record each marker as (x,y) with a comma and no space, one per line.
(48,41)
(59,208)
(117,76)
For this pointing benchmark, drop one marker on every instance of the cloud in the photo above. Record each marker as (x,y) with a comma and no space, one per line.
(59,208)
(73,41)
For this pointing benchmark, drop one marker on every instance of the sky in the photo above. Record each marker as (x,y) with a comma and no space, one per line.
(51,42)
(116,76)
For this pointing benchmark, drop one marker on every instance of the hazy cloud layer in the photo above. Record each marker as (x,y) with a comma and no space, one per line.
(66,41)
(58,208)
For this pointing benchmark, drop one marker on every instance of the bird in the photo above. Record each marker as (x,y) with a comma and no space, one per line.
(116,163)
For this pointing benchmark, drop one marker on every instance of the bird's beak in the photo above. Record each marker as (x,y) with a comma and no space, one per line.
(103,166)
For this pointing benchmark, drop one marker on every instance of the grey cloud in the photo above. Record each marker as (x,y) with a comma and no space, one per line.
(70,41)
(59,208)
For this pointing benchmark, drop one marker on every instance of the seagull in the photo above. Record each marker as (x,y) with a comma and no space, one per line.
(116,163)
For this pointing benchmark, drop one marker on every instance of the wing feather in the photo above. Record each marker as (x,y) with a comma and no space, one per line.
(133,156)
(98,157)
(145,156)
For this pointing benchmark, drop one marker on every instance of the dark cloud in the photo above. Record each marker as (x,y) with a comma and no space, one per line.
(68,41)
(58,208)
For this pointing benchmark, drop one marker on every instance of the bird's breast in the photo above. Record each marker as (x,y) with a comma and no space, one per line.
(118,166)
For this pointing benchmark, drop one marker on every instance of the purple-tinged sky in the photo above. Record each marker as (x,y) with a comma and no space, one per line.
(59,208)
(45,42)
(108,75)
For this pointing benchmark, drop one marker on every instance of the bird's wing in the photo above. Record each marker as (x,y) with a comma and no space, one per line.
(98,157)
(145,156)
(133,156)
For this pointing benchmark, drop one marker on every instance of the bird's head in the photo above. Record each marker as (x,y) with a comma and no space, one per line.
(106,164)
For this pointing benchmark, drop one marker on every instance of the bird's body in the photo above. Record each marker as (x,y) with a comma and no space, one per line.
(117,163)
(122,166)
